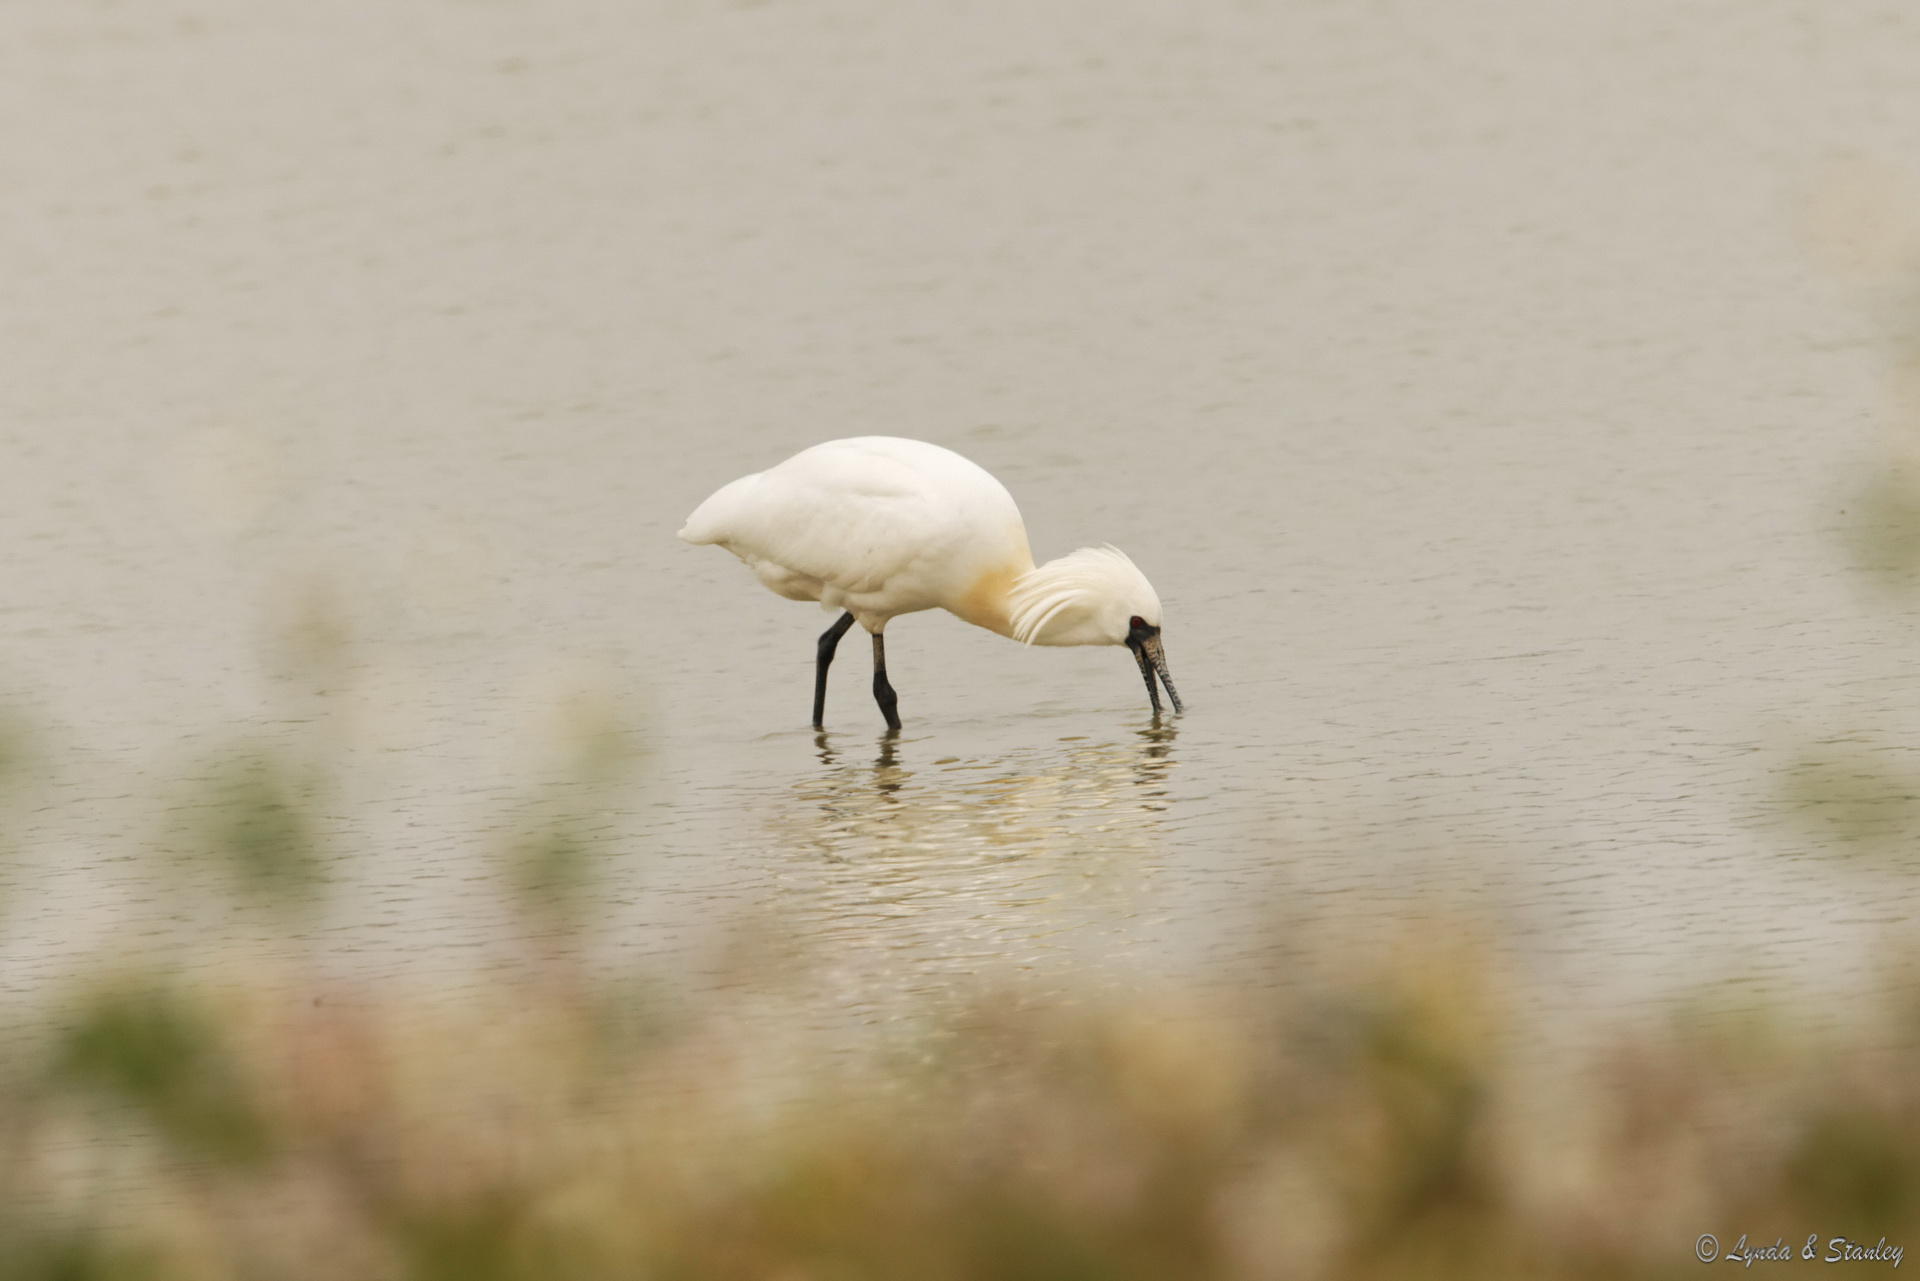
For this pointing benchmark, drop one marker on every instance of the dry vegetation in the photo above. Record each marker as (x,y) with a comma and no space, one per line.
(278,1125)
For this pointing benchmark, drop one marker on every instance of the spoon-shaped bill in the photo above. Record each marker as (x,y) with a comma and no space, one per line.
(1153,661)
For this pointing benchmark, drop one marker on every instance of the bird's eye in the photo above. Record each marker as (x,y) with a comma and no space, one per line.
(1137,623)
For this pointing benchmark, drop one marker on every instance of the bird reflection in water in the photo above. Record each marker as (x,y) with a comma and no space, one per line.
(1150,758)
(908,866)
(887,776)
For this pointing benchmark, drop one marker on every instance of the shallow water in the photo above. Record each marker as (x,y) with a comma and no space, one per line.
(1475,383)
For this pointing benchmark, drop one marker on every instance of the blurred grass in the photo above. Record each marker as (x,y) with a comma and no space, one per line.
(163,1058)
(1855,799)
(1374,1126)
(257,823)
(190,1119)
(1845,794)
(1883,528)
(1150,1141)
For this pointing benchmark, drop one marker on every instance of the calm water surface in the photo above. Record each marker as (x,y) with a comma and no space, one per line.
(1469,380)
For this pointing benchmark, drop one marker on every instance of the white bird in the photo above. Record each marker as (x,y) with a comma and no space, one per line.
(878,526)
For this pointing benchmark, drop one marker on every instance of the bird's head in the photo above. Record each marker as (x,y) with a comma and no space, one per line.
(1094,596)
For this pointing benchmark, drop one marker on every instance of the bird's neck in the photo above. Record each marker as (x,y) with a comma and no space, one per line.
(984,603)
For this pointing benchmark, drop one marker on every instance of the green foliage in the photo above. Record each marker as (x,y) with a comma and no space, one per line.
(164,1057)
(1884,527)
(552,869)
(1854,800)
(551,865)
(1854,1170)
(33,1252)
(258,823)
(1372,1130)
(470,1242)
(16,749)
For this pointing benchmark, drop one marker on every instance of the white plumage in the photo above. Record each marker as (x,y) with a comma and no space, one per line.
(878,526)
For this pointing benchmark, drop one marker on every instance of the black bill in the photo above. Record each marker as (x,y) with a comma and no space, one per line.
(1152,657)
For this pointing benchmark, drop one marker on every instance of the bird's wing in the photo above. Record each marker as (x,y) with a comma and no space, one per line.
(852,517)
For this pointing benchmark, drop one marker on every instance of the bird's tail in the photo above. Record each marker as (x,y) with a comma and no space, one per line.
(712,521)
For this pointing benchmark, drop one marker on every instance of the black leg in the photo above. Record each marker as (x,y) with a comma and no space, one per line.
(829,641)
(882,692)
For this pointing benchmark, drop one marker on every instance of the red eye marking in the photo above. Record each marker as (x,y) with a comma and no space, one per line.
(1137,623)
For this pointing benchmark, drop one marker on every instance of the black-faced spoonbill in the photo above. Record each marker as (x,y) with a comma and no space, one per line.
(878,526)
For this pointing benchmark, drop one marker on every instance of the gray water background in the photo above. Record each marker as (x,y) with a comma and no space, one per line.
(1483,386)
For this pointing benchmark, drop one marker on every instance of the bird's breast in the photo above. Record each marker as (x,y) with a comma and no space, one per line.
(983,602)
